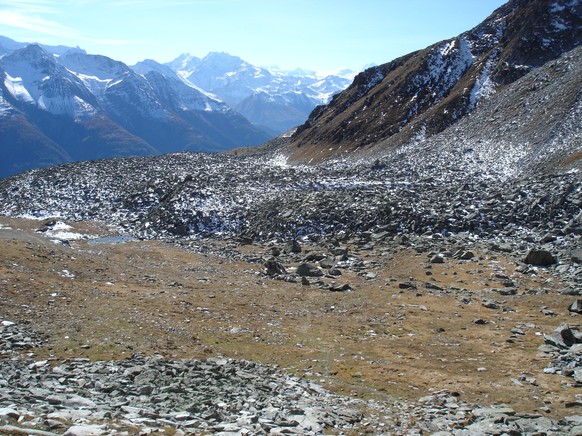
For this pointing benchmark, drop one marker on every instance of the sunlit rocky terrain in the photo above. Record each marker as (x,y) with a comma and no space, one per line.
(427,286)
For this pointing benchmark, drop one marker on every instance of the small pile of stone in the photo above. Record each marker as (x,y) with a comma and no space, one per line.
(564,345)
(152,393)
(143,395)
(444,413)
(318,267)
(15,338)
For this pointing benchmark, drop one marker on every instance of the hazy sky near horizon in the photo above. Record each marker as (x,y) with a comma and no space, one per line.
(321,35)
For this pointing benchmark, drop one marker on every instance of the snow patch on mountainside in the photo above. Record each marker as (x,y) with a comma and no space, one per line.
(84,109)
(557,7)
(484,87)
(5,107)
(374,80)
(26,82)
(279,160)
(446,65)
(442,70)
(66,103)
(16,88)
(95,84)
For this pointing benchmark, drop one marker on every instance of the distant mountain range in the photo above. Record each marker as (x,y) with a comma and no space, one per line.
(60,104)
(414,97)
(274,100)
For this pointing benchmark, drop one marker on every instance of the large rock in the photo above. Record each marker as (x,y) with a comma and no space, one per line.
(274,268)
(562,337)
(327,263)
(576,307)
(292,247)
(339,251)
(307,270)
(539,258)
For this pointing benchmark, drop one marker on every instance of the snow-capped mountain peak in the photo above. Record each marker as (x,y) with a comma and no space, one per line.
(223,63)
(184,64)
(74,106)
(261,94)
(146,66)
(98,66)
(33,76)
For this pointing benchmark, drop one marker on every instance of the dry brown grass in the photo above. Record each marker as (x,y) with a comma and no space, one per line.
(376,342)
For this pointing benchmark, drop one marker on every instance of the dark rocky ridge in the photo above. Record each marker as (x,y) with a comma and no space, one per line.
(192,195)
(429,90)
(531,126)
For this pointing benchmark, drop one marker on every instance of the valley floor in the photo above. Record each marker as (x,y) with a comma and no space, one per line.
(408,328)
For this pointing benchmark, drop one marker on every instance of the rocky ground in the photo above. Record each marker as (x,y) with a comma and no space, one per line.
(432,287)
(387,334)
(197,293)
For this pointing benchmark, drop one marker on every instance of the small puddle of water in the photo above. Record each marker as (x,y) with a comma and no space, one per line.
(120,239)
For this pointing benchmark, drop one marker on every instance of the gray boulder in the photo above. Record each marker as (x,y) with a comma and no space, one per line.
(292,247)
(539,258)
(340,288)
(327,263)
(307,270)
(339,251)
(576,307)
(274,268)
(562,337)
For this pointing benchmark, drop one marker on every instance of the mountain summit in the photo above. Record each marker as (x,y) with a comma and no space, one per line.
(273,99)
(423,93)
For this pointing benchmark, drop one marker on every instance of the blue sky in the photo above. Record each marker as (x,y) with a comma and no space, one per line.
(322,35)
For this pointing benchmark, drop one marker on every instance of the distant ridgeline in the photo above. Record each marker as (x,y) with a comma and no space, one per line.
(59,104)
